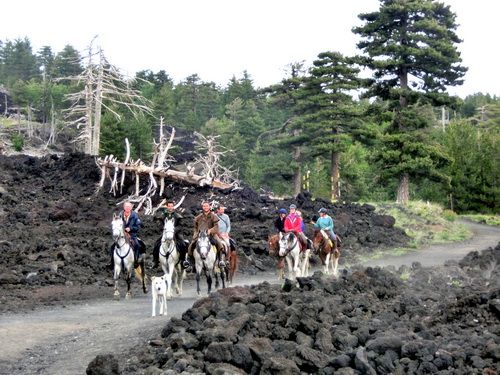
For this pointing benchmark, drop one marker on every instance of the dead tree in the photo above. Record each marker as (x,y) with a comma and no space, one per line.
(160,168)
(104,86)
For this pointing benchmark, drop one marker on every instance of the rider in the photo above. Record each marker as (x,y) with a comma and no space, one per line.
(132,224)
(205,220)
(279,223)
(293,223)
(168,212)
(224,226)
(325,222)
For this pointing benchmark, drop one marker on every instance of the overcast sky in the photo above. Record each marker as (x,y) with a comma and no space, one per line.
(219,39)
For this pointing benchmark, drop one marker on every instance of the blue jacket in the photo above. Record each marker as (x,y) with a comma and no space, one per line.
(324,222)
(133,222)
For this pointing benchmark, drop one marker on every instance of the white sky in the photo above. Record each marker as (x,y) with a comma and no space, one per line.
(219,39)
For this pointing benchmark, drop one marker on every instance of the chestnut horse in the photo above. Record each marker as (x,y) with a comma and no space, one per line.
(273,247)
(328,252)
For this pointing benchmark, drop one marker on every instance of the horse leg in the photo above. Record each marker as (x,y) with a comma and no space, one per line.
(168,279)
(115,277)
(326,266)
(198,283)
(289,263)
(143,278)
(335,266)
(296,268)
(223,276)
(209,280)
(129,281)
(305,263)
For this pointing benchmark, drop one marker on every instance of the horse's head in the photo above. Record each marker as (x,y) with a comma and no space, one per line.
(168,230)
(272,241)
(117,227)
(203,244)
(285,243)
(320,239)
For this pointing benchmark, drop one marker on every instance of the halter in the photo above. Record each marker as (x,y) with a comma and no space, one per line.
(324,240)
(208,246)
(121,238)
(289,248)
(165,239)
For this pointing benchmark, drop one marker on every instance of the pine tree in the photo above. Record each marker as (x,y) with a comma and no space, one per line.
(411,46)
(328,114)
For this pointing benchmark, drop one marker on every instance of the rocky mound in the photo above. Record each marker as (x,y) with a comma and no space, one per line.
(441,320)
(56,227)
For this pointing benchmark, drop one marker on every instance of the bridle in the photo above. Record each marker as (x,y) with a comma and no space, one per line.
(166,238)
(203,237)
(323,244)
(287,239)
(120,241)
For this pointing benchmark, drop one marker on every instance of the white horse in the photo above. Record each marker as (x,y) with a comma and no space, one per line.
(289,248)
(123,256)
(169,259)
(204,257)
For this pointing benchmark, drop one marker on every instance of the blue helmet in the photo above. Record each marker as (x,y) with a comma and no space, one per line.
(282,211)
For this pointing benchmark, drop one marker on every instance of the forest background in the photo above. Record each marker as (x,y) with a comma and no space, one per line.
(377,126)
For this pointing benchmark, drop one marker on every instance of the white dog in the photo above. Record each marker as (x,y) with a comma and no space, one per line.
(159,292)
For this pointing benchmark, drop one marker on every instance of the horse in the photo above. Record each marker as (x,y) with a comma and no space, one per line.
(170,259)
(205,261)
(289,248)
(273,247)
(123,256)
(231,258)
(328,251)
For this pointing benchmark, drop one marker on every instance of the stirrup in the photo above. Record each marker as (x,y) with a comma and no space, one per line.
(186,264)
(222,263)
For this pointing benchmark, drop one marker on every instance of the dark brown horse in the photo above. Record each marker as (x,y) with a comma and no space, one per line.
(328,251)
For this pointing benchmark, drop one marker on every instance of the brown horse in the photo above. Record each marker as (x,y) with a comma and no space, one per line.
(328,251)
(273,245)
(232,259)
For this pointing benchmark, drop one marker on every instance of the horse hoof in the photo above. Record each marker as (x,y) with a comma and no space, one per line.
(145,291)
(128,296)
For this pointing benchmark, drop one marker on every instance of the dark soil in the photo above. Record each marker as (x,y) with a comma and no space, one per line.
(55,228)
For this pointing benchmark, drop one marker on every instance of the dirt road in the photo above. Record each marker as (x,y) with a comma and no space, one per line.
(64,340)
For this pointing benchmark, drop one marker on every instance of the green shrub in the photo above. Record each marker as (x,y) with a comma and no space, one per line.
(17,142)
(449,215)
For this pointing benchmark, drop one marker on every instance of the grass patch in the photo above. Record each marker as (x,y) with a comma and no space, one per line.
(425,223)
(483,219)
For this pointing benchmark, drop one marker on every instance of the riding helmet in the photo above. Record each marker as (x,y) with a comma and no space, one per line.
(293,206)
(322,210)
(282,211)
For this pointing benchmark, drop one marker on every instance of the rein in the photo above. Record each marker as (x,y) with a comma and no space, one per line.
(289,249)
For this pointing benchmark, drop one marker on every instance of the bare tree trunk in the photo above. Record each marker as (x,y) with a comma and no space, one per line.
(96,136)
(297,177)
(335,176)
(403,189)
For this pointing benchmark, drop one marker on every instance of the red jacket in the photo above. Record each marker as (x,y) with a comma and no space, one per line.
(293,223)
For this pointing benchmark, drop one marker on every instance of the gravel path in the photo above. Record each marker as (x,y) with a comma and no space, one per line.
(63,340)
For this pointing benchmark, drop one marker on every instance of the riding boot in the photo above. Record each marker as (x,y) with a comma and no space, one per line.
(156,255)
(136,258)
(111,264)
(189,260)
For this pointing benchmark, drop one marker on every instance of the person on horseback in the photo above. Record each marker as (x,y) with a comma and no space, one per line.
(293,223)
(224,225)
(168,212)
(132,224)
(205,220)
(279,223)
(325,222)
